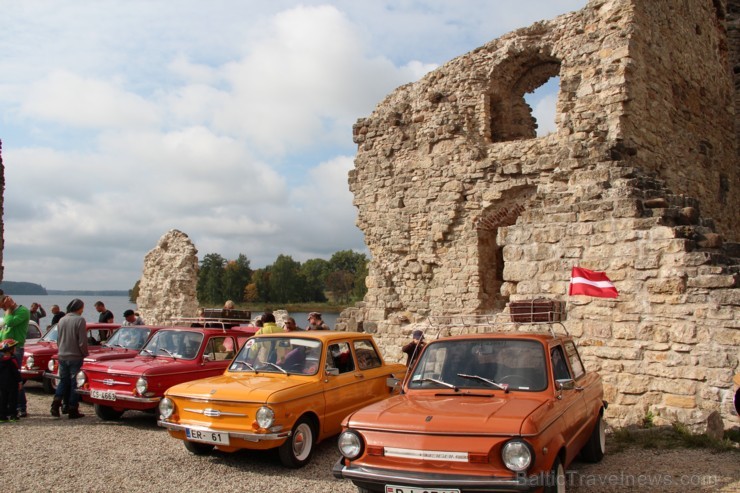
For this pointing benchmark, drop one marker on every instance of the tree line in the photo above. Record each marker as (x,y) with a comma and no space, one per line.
(341,279)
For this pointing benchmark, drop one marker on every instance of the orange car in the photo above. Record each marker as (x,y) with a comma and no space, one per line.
(482,412)
(287,390)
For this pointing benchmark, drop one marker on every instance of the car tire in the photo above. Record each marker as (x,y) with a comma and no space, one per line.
(555,482)
(48,386)
(196,448)
(107,413)
(298,448)
(594,449)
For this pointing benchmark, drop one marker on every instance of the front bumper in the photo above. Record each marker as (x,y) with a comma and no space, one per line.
(376,479)
(123,397)
(52,376)
(32,374)
(249,437)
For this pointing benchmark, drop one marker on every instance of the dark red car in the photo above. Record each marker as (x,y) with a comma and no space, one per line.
(171,356)
(126,342)
(36,356)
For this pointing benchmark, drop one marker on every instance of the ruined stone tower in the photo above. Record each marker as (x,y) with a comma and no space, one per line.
(464,209)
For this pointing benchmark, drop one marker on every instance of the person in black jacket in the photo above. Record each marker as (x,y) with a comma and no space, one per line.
(10,381)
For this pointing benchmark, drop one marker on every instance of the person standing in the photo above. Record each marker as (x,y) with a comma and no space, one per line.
(106,316)
(10,381)
(413,348)
(72,343)
(268,325)
(290,325)
(315,322)
(130,318)
(16,328)
(37,313)
(57,314)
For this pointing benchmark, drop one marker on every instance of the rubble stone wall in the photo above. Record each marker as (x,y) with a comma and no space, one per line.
(168,282)
(464,209)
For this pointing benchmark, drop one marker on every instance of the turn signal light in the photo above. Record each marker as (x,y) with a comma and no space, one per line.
(375,450)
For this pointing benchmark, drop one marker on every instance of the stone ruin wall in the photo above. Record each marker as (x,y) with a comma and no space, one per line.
(168,282)
(464,209)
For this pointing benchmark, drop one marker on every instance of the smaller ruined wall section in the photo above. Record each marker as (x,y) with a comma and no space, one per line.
(681,116)
(168,283)
(733,37)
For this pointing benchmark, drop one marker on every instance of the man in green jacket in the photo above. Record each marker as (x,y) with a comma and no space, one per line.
(16,328)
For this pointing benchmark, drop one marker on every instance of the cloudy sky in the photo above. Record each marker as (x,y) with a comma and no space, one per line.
(230,120)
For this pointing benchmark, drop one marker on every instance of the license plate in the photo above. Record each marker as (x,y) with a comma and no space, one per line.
(207,436)
(389,488)
(103,395)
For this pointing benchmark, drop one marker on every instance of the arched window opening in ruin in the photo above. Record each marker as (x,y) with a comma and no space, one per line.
(543,101)
(503,213)
(514,116)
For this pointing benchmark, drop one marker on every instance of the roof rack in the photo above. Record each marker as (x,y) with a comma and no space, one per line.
(501,322)
(209,322)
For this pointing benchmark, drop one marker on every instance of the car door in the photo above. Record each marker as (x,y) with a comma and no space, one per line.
(343,385)
(570,402)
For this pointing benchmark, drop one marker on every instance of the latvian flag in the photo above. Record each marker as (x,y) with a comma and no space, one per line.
(591,283)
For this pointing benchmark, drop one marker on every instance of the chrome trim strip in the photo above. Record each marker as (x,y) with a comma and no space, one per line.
(441,481)
(110,382)
(250,437)
(38,372)
(130,398)
(52,376)
(213,413)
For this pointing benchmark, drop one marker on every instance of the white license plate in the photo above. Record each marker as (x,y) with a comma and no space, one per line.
(389,488)
(207,436)
(103,395)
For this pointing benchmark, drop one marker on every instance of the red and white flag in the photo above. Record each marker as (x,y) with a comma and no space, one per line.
(591,283)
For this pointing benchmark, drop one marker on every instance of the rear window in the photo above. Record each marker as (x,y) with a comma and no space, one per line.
(482,363)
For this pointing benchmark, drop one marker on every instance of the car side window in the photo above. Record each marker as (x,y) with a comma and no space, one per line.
(559,367)
(220,348)
(575,359)
(367,357)
(340,357)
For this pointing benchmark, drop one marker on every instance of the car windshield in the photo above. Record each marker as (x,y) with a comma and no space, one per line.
(504,364)
(174,344)
(279,355)
(52,335)
(129,337)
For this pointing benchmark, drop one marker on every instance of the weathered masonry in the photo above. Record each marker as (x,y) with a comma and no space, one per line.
(464,209)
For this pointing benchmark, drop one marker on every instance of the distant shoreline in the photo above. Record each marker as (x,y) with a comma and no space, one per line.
(29,288)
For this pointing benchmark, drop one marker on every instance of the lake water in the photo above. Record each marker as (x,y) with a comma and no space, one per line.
(119,304)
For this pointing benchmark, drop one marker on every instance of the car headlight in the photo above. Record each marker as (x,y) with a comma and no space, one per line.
(29,362)
(50,366)
(265,417)
(350,444)
(141,385)
(81,379)
(166,407)
(517,455)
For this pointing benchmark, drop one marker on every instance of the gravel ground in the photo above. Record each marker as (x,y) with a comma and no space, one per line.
(90,455)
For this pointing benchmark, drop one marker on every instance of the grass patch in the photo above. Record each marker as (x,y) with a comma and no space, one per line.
(671,437)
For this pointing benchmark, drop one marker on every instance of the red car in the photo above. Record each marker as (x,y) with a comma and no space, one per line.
(36,356)
(126,342)
(173,355)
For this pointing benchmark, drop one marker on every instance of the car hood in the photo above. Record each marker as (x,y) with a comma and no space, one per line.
(447,413)
(240,388)
(40,348)
(142,365)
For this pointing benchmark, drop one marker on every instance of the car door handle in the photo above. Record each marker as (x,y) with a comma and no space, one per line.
(359,375)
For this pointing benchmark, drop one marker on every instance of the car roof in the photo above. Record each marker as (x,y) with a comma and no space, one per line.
(544,337)
(322,335)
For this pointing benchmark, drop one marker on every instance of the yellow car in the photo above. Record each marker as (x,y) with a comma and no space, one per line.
(288,391)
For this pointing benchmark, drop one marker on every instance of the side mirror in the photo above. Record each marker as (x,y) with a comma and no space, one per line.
(566,384)
(393,382)
(207,357)
(332,371)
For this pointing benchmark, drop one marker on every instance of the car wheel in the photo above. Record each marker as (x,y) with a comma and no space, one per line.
(594,449)
(198,448)
(297,450)
(555,482)
(49,385)
(107,413)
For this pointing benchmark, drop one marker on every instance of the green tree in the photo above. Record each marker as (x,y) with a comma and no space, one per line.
(236,277)
(286,283)
(261,281)
(314,272)
(210,279)
(133,293)
(360,287)
(341,264)
(250,293)
(340,283)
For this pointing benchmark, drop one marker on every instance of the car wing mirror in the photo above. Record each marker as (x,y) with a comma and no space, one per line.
(393,382)
(207,357)
(332,371)
(567,384)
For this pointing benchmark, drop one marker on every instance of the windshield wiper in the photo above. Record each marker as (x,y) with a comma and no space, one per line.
(167,351)
(503,387)
(149,351)
(439,382)
(277,366)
